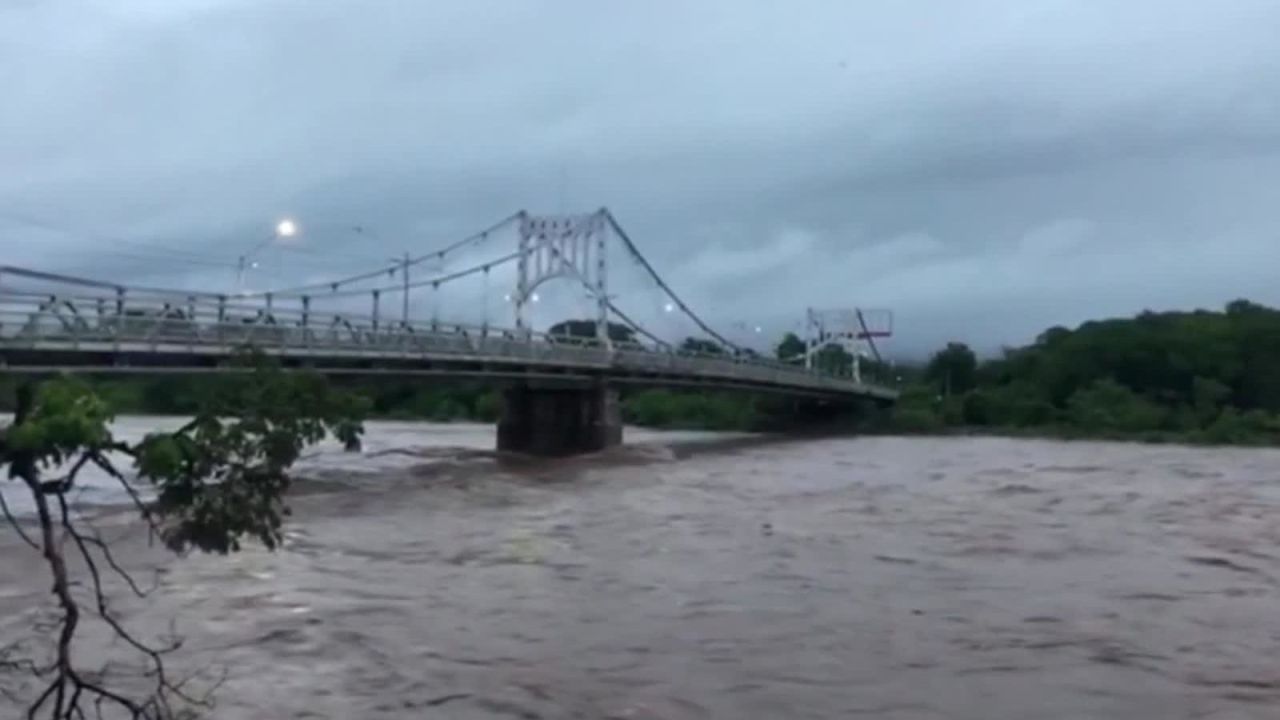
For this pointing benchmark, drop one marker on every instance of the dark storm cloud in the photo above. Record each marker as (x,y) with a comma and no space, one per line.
(984,168)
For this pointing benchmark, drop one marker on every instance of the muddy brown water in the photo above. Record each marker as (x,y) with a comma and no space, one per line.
(864,577)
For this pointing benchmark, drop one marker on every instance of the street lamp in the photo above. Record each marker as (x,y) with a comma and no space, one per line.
(745,331)
(284,229)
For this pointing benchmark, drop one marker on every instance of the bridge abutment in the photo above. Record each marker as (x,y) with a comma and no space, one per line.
(559,421)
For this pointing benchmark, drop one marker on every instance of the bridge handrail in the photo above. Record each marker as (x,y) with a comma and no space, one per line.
(193,320)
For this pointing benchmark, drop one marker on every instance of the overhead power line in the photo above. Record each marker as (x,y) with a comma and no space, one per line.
(155,251)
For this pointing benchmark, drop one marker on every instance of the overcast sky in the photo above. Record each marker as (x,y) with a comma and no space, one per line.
(984,168)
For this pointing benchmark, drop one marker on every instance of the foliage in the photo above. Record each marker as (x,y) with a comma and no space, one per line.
(690,410)
(1012,405)
(488,406)
(1234,427)
(1107,406)
(915,420)
(206,486)
(223,475)
(830,358)
(448,401)
(791,348)
(1208,396)
(1200,376)
(953,369)
(60,420)
(701,347)
(586,329)
(833,360)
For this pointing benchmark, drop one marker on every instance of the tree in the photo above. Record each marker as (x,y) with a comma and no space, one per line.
(586,330)
(1053,336)
(1211,375)
(1207,398)
(953,369)
(698,346)
(692,410)
(1108,406)
(791,348)
(218,479)
(1016,404)
(833,359)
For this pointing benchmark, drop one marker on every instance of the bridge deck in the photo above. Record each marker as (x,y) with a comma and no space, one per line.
(43,333)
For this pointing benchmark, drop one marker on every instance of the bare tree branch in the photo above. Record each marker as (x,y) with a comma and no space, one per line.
(124,575)
(143,508)
(66,482)
(196,472)
(164,687)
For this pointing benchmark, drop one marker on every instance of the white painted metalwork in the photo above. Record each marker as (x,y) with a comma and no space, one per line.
(561,246)
(852,330)
(53,319)
(79,330)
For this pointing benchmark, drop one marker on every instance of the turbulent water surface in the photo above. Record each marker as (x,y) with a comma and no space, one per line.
(869,577)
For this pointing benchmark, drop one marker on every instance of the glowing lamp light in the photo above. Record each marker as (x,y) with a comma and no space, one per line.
(669,307)
(286,228)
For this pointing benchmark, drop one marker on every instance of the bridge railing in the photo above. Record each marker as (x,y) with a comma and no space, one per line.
(32,317)
(172,323)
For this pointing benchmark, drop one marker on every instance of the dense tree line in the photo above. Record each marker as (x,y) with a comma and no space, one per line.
(449,400)
(438,401)
(1201,376)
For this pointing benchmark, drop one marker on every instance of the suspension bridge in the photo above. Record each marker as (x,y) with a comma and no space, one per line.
(560,383)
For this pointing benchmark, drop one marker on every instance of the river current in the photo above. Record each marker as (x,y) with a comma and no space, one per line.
(690,576)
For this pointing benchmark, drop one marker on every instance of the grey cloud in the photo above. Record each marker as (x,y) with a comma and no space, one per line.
(985,168)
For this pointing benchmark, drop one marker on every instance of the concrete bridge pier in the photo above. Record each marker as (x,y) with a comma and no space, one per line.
(559,421)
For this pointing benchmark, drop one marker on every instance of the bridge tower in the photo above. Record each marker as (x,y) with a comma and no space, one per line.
(853,330)
(564,246)
(544,418)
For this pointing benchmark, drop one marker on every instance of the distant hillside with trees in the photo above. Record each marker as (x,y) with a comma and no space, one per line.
(1200,376)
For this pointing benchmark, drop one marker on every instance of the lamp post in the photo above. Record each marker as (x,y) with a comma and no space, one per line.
(404,264)
(284,229)
(747,332)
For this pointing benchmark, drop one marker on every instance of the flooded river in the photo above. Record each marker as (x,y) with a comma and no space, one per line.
(865,577)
